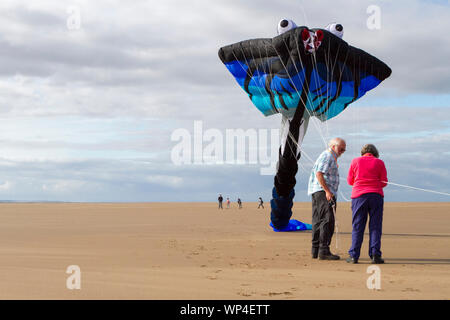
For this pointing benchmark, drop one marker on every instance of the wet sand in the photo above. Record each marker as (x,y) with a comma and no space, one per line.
(195,251)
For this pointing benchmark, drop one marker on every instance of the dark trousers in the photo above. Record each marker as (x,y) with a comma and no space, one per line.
(322,222)
(369,204)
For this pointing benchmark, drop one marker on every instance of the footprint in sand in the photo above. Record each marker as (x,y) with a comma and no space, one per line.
(248,265)
(280,293)
(173,243)
(410,290)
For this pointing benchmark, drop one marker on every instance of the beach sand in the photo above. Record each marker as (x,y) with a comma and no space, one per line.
(195,251)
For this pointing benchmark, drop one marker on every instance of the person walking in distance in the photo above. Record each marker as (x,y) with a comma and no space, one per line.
(220,199)
(260,203)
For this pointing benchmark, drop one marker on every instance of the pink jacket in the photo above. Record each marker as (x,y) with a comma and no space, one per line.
(367,174)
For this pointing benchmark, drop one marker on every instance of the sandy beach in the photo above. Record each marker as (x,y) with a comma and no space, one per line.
(195,251)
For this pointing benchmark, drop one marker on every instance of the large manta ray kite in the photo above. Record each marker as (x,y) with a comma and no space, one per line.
(300,73)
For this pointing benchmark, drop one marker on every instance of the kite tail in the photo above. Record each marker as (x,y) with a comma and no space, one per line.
(281,209)
(284,182)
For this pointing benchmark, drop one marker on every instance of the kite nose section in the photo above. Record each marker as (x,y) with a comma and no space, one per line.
(312,40)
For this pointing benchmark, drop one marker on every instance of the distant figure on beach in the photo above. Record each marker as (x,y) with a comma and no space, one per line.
(323,186)
(228,203)
(368,176)
(261,203)
(220,201)
(239,203)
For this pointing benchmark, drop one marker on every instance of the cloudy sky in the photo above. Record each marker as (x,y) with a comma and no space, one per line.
(91,93)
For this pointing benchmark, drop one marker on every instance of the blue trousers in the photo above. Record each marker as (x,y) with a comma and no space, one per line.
(369,204)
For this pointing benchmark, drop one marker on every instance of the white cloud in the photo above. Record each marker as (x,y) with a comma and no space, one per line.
(99,104)
(171,181)
(5,186)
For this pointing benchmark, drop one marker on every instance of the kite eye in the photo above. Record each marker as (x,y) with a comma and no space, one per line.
(285,25)
(336,29)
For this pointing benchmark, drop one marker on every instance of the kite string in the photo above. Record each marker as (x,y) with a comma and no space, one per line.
(284,119)
(248,70)
(296,89)
(305,103)
(348,200)
(293,83)
(415,188)
(319,129)
(336,225)
(314,61)
(387,182)
(259,89)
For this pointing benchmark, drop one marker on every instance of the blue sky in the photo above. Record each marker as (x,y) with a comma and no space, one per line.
(87,113)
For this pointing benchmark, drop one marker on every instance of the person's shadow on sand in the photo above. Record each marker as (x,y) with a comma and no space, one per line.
(422,261)
(416,261)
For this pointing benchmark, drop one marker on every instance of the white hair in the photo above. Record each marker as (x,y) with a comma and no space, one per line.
(335,142)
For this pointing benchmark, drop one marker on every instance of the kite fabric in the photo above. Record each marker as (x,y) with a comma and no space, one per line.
(294,225)
(310,67)
(300,73)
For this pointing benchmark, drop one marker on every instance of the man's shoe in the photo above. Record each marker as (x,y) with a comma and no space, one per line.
(328,256)
(377,259)
(351,260)
(315,253)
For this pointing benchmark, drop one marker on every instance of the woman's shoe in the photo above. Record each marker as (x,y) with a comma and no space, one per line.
(377,259)
(351,260)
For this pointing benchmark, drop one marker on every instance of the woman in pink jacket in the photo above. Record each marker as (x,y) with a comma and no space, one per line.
(367,175)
